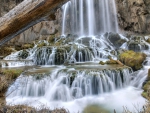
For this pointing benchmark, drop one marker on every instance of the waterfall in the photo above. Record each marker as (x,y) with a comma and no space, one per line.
(68,84)
(64,16)
(76,87)
(83,19)
(81,81)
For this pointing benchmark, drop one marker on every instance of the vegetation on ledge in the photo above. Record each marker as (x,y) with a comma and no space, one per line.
(111,61)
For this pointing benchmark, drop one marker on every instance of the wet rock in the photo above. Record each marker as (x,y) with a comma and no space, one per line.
(146,87)
(102,63)
(132,59)
(23,54)
(137,44)
(115,39)
(147,38)
(60,56)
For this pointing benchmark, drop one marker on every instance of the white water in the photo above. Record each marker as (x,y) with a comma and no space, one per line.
(110,89)
(84,49)
(88,87)
(84,20)
(128,97)
(64,16)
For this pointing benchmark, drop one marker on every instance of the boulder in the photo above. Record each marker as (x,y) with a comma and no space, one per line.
(115,39)
(23,54)
(132,59)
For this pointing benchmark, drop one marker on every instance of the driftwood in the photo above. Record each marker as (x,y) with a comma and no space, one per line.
(25,15)
(117,61)
(111,61)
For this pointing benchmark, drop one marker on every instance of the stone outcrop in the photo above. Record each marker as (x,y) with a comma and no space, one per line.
(36,32)
(7,5)
(134,15)
(25,15)
(132,59)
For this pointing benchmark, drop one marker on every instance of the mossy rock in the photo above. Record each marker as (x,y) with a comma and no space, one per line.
(111,62)
(132,59)
(102,63)
(4,51)
(148,74)
(146,92)
(137,47)
(60,56)
(148,40)
(51,39)
(95,109)
(115,39)
(27,46)
(41,44)
(145,95)
(12,73)
(146,86)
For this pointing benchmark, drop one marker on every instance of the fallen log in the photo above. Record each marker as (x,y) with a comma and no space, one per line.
(25,15)
(111,61)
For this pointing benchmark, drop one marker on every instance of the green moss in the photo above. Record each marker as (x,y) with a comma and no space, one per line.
(146,86)
(41,44)
(145,95)
(27,46)
(12,73)
(148,39)
(102,63)
(95,109)
(51,39)
(4,51)
(111,62)
(132,59)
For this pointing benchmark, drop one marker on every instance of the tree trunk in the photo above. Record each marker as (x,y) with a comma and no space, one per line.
(25,15)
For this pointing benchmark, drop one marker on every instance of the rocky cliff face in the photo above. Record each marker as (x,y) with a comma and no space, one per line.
(6,5)
(134,15)
(41,30)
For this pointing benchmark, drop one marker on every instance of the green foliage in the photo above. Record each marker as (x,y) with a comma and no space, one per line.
(12,73)
(41,44)
(27,46)
(95,109)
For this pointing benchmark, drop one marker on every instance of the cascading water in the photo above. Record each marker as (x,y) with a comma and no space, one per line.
(83,19)
(64,16)
(82,81)
(68,84)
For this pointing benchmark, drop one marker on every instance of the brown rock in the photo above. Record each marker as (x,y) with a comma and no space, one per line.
(134,15)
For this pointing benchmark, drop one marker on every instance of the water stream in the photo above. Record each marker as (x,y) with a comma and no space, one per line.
(69,75)
(89,18)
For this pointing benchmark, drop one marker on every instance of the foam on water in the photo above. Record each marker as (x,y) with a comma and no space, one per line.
(129,97)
